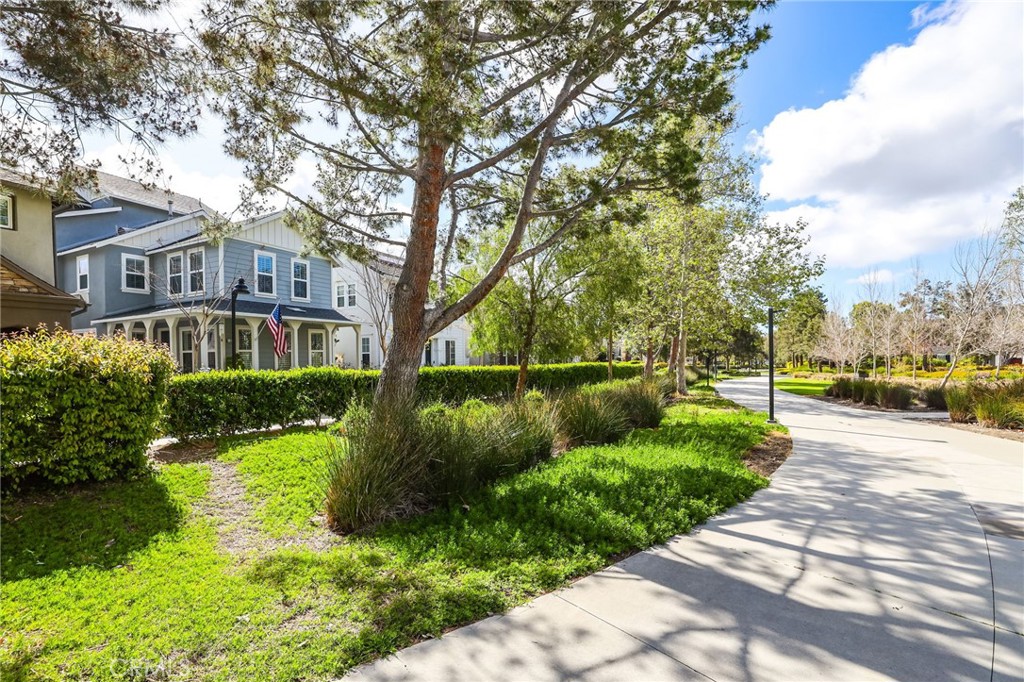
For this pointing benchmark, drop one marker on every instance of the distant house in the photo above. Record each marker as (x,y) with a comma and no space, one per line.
(362,292)
(168,282)
(29,295)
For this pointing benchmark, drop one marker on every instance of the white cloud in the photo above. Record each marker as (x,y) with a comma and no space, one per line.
(883,276)
(924,149)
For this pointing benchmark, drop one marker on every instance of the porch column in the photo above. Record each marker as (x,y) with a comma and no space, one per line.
(254,325)
(172,325)
(148,323)
(329,344)
(204,348)
(294,326)
(110,328)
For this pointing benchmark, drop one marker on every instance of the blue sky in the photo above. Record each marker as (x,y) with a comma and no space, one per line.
(894,128)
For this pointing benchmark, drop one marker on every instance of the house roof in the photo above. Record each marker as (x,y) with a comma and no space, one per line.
(127,234)
(15,279)
(135,192)
(15,179)
(242,307)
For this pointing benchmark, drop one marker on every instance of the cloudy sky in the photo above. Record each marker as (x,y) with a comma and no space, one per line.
(895,129)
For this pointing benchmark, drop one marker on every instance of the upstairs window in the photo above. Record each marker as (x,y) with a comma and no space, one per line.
(82,268)
(134,273)
(196,271)
(346,296)
(174,274)
(266,267)
(6,212)
(300,279)
(351,295)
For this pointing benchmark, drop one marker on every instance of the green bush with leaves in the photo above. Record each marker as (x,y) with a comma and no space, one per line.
(211,404)
(997,410)
(590,418)
(642,402)
(77,408)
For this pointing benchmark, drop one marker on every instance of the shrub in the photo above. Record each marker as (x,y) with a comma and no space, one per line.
(997,410)
(77,408)
(212,404)
(840,388)
(588,418)
(533,429)
(960,403)
(857,389)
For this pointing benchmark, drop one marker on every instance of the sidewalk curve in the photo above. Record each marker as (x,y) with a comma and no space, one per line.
(885,548)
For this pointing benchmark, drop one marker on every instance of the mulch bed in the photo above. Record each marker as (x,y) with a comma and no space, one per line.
(765,458)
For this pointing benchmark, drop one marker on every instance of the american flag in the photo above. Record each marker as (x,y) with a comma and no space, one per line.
(277,331)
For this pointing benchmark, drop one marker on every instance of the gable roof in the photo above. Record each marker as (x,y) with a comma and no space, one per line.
(15,279)
(141,235)
(13,178)
(131,190)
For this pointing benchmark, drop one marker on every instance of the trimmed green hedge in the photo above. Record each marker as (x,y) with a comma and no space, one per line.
(220,403)
(75,408)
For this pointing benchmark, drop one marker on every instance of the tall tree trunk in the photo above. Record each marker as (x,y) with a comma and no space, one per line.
(673,354)
(649,360)
(913,365)
(874,366)
(611,357)
(681,364)
(524,354)
(949,372)
(398,376)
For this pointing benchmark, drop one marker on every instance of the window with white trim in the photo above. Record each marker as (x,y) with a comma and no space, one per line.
(449,352)
(82,272)
(134,273)
(266,269)
(175,281)
(351,295)
(6,212)
(300,279)
(196,271)
(316,348)
(187,354)
(285,361)
(365,353)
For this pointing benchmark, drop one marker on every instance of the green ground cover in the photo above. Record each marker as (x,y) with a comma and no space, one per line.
(170,577)
(802,386)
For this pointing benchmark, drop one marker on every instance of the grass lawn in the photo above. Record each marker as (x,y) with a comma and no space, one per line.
(220,569)
(802,386)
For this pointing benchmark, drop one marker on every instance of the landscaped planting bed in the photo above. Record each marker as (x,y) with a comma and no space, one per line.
(218,565)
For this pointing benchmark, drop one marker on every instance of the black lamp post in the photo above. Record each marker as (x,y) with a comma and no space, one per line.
(771,365)
(239,288)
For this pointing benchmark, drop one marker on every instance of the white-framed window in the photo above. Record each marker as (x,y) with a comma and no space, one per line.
(138,334)
(134,273)
(175,278)
(244,342)
(300,279)
(346,295)
(364,354)
(449,352)
(82,272)
(317,348)
(196,271)
(6,212)
(285,361)
(266,273)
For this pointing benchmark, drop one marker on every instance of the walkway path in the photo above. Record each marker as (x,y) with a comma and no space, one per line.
(884,548)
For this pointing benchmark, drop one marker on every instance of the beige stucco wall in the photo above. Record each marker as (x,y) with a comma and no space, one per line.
(30,244)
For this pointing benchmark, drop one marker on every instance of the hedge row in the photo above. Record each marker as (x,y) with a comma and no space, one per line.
(221,403)
(74,408)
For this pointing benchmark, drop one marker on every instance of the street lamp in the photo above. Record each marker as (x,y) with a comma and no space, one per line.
(771,365)
(239,288)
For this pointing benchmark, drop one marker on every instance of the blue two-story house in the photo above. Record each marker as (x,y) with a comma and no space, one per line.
(169,283)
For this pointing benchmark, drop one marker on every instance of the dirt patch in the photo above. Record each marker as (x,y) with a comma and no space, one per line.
(1006,434)
(769,455)
(846,402)
(184,453)
(238,529)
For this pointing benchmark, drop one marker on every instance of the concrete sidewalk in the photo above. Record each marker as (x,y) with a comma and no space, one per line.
(884,548)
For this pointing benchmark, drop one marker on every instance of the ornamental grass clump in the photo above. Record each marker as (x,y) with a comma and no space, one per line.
(589,418)
(840,388)
(934,397)
(377,470)
(894,396)
(960,403)
(996,409)
(642,402)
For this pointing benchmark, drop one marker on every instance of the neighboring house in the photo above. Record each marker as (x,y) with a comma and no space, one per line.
(117,205)
(362,292)
(29,295)
(169,283)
